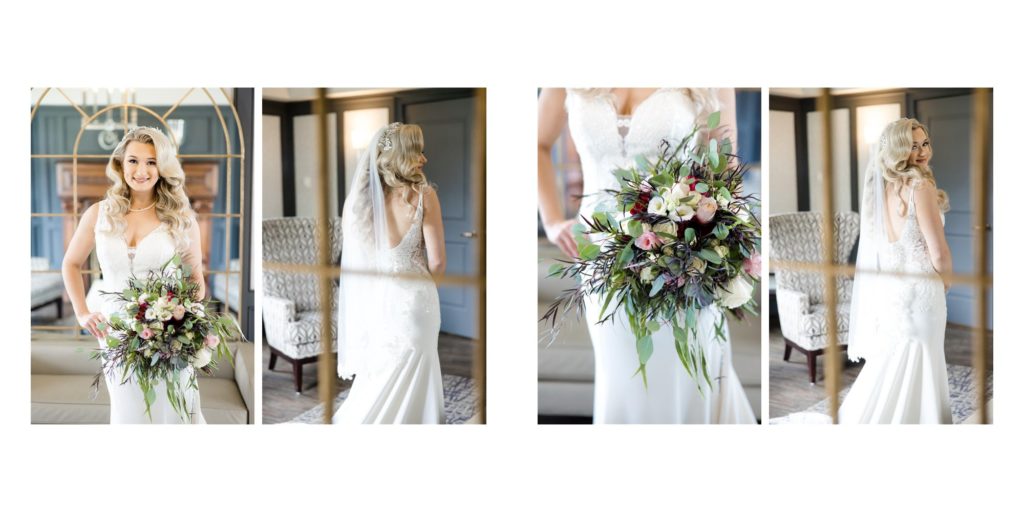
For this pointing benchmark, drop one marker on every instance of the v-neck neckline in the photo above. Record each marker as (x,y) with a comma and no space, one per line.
(636,108)
(143,239)
(623,138)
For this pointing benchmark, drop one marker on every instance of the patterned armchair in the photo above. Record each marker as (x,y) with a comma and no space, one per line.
(291,301)
(800,295)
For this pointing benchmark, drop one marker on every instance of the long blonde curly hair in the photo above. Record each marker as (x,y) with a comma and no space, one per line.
(896,143)
(397,168)
(172,205)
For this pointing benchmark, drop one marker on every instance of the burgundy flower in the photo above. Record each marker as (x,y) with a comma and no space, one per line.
(641,203)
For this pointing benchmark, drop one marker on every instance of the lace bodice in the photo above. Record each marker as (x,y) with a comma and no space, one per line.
(410,255)
(909,255)
(118,261)
(606,141)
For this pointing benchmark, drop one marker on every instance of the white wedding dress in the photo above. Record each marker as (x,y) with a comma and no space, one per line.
(606,142)
(400,379)
(118,263)
(905,380)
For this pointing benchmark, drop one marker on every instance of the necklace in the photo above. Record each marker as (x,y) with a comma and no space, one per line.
(142,209)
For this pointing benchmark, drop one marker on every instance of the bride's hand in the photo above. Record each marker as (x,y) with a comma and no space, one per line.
(560,234)
(91,322)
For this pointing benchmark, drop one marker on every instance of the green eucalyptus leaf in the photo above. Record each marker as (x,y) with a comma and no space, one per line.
(644,349)
(634,227)
(590,251)
(690,234)
(625,256)
(710,256)
(721,231)
(701,187)
(713,120)
(691,318)
(659,282)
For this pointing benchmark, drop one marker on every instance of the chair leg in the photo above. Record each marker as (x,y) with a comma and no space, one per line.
(789,350)
(297,375)
(60,307)
(273,360)
(812,365)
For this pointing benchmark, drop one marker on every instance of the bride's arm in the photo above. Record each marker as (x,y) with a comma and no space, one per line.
(551,119)
(82,243)
(433,233)
(194,257)
(927,201)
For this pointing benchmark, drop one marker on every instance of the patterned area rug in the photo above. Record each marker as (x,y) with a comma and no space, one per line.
(460,399)
(962,396)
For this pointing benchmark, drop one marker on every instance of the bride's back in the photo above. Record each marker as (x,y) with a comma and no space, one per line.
(897,200)
(400,208)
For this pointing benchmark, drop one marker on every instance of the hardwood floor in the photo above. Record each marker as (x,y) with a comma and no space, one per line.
(281,403)
(790,389)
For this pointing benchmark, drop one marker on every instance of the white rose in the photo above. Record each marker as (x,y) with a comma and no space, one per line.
(647,274)
(736,293)
(680,192)
(657,206)
(203,358)
(151,314)
(665,228)
(681,213)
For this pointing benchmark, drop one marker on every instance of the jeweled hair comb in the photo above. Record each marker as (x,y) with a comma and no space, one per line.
(385,143)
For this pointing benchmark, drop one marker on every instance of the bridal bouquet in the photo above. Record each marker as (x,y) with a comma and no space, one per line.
(160,331)
(677,237)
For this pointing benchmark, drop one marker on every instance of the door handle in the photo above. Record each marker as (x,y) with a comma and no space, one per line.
(469,234)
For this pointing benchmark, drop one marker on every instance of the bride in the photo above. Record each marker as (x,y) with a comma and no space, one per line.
(610,127)
(389,315)
(144,220)
(898,323)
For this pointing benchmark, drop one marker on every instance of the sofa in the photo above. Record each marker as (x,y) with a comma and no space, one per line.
(62,376)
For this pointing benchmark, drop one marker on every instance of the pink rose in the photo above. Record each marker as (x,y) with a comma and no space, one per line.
(706,209)
(752,265)
(146,333)
(648,241)
(212,340)
(179,312)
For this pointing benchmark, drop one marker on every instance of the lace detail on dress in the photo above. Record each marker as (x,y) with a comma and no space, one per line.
(411,303)
(909,295)
(605,141)
(410,255)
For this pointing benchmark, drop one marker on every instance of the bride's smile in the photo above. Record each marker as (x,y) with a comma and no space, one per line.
(140,169)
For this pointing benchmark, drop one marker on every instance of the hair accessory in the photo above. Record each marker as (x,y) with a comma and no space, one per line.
(385,143)
(884,141)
